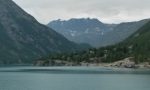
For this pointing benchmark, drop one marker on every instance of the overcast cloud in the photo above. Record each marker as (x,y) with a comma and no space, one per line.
(108,11)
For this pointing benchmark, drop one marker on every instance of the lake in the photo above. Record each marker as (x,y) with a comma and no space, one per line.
(73,78)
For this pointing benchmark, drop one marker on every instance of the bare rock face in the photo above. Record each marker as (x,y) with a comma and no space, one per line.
(126,63)
(23,39)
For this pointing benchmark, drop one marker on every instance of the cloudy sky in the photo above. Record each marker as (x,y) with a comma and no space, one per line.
(108,11)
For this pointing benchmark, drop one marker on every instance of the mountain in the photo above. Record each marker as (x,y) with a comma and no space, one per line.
(83,30)
(139,43)
(94,32)
(121,32)
(136,45)
(135,48)
(23,39)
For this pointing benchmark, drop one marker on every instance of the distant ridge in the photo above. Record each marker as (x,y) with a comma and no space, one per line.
(94,32)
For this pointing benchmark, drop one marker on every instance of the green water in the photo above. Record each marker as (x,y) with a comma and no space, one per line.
(73,78)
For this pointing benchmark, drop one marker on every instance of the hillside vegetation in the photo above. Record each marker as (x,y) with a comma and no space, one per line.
(136,46)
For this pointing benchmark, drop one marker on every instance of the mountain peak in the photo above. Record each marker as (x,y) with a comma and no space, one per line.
(78,19)
(23,39)
(81,30)
(94,32)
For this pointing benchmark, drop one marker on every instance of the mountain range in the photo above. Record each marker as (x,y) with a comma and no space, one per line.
(23,38)
(135,48)
(95,32)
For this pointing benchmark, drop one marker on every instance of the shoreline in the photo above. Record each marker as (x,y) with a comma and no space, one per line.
(125,63)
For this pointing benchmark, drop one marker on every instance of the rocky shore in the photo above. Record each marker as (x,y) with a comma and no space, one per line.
(125,63)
